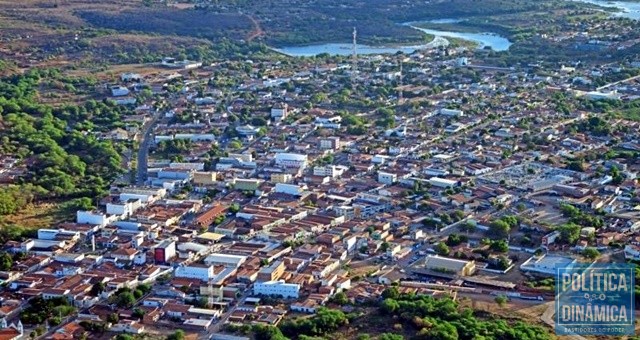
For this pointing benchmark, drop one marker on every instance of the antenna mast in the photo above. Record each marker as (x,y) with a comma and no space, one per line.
(354,67)
(400,99)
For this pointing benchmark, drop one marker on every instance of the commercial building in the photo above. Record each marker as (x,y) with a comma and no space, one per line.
(205,177)
(442,182)
(277,288)
(281,178)
(164,251)
(246,184)
(387,178)
(446,265)
(196,271)
(291,160)
(546,264)
(272,272)
(227,260)
(330,143)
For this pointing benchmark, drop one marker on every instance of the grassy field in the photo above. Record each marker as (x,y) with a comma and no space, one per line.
(39,215)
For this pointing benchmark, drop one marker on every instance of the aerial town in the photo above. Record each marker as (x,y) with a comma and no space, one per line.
(254,191)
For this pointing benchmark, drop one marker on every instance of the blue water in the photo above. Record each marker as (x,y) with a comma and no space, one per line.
(344,49)
(630,10)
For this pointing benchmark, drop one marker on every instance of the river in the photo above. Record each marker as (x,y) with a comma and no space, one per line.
(347,49)
(627,9)
(494,41)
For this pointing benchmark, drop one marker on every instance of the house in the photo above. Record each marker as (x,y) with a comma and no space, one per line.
(12,331)
(277,288)
(131,327)
(454,266)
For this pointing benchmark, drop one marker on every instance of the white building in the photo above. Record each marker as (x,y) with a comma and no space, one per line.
(451,113)
(119,91)
(275,288)
(289,189)
(387,178)
(329,170)
(227,260)
(632,252)
(330,143)
(279,112)
(192,166)
(442,182)
(92,217)
(194,271)
(291,160)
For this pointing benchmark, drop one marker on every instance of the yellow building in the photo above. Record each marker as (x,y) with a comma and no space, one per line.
(281,178)
(205,177)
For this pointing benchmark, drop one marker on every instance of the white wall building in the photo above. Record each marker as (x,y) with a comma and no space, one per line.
(275,288)
(92,217)
(291,160)
(387,178)
(451,113)
(200,272)
(227,260)
(289,189)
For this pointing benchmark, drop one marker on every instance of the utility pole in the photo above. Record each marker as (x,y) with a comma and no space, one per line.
(354,56)
(400,98)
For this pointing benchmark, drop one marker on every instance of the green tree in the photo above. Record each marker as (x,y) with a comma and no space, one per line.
(441,249)
(340,298)
(125,300)
(569,233)
(500,246)
(177,335)
(499,229)
(501,300)
(6,261)
(97,288)
(591,253)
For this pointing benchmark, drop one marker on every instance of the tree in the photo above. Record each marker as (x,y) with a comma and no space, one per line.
(126,300)
(390,306)
(113,318)
(569,233)
(177,335)
(500,246)
(390,336)
(501,300)
(385,246)
(265,332)
(234,208)
(441,248)
(97,288)
(499,229)
(391,293)
(591,253)
(455,240)
(340,299)
(6,261)
(468,226)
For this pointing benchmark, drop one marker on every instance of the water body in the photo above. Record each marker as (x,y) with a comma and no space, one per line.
(496,42)
(628,9)
(346,49)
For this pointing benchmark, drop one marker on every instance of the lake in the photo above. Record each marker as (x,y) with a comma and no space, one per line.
(494,41)
(346,49)
(629,9)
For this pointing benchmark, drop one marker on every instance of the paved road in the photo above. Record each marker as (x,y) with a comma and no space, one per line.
(147,132)
(223,319)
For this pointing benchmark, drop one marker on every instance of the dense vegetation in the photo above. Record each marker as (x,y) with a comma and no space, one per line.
(64,158)
(422,316)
